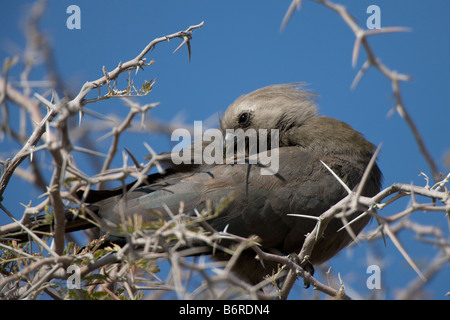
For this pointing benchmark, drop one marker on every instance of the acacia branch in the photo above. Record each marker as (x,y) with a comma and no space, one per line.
(135,64)
(23,153)
(393,76)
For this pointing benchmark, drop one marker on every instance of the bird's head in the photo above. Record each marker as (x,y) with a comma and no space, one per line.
(291,110)
(273,107)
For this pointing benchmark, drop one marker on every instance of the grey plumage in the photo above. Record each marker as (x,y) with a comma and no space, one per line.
(260,204)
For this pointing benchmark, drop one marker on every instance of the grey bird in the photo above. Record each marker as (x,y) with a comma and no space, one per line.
(257,204)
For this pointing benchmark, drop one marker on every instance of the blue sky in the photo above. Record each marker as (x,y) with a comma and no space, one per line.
(239,49)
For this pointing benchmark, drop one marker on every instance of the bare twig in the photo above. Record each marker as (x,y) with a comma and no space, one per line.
(135,64)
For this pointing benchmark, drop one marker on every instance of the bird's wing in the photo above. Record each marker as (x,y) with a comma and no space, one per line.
(257,204)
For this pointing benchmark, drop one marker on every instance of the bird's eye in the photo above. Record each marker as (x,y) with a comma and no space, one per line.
(244,118)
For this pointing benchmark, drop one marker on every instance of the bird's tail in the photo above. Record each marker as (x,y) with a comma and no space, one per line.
(43,225)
